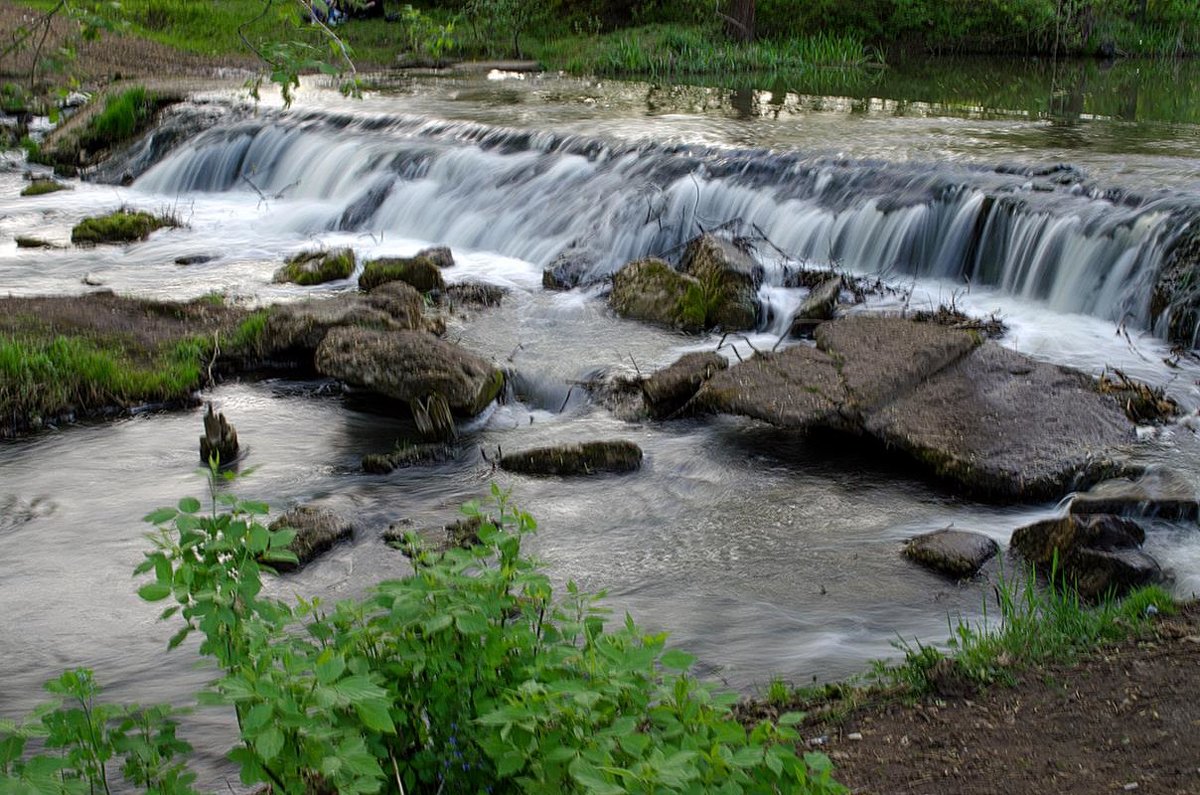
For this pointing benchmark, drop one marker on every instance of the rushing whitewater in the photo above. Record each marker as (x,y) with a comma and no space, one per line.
(1041,234)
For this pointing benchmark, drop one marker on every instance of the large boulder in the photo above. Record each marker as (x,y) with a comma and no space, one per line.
(409,366)
(295,330)
(1097,554)
(652,291)
(317,530)
(1004,425)
(668,390)
(996,422)
(1159,493)
(587,458)
(953,552)
(729,281)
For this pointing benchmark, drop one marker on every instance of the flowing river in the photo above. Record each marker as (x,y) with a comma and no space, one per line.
(767,554)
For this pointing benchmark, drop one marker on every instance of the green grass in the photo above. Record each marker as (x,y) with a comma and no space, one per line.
(1036,625)
(123,116)
(249,334)
(419,272)
(47,377)
(659,51)
(122,226)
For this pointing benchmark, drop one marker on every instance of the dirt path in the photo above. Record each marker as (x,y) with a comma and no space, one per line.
(114,57)
(1125,720)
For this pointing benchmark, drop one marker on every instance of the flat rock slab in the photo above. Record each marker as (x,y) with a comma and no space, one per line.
(1005,425)
(882,357)
(587,458)
(409,366)
(953,552)
(1159,493)
(796,388)
(317,530)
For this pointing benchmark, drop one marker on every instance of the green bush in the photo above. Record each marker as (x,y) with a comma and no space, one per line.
(468,676)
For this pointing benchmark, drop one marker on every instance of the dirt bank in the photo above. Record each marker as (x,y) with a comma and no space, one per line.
(1125,719)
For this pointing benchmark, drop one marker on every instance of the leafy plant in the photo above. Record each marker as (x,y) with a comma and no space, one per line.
(466,676)
(82,740)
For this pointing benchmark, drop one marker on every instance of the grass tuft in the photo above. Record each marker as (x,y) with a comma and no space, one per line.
(40,187)
(122,226)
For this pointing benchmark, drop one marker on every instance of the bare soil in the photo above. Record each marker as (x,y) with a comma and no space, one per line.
(1125,719)
(112,57)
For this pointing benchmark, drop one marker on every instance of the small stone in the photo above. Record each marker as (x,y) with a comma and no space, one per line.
(856,736)
(1130,787)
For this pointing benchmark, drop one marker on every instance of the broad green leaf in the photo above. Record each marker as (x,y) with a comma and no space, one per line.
(189,505)
(374,715)
(677,659)
(154,591)
(329,667)
(269,743)
(791,718)
(161,516)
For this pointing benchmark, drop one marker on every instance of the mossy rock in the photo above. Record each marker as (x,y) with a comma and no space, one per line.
(122,226)
(588,458)
(652,291)
(420,272)
(728,283)
(32,242)
(317,530)
(40,187)
(317,267)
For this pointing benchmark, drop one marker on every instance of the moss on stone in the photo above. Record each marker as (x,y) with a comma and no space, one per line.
(40,187)
(122,226)
(317,267)
(420,272)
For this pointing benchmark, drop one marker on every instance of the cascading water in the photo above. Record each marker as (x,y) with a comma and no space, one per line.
(1044,235)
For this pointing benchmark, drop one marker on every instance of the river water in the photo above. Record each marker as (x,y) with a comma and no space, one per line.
(765,553)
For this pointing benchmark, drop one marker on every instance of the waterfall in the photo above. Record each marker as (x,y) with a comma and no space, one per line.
(1041,234)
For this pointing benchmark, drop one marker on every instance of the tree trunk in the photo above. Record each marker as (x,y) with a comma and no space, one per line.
(739,25)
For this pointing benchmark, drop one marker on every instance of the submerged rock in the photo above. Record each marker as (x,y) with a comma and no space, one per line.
(194,259)
(668,390)
(220,440)
(441,256)
(1159,493)
(576,459)
(953,552)
(570,269)
(652,291)
(462,534)
(317,530)
(1004,425)
(1097,554)
(317,267)
(409,366)
(473,294)
(729,281)
(420,272)
(33,242)
(407,455)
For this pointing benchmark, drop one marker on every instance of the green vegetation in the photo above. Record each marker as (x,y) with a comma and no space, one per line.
(1037,625)
(317,267)
(84,736)
(40,187)
(468,676)
(45,377)
(248,336)
(122,226)
(124,116)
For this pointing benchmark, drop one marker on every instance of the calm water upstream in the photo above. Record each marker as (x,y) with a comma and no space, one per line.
(1052,192)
